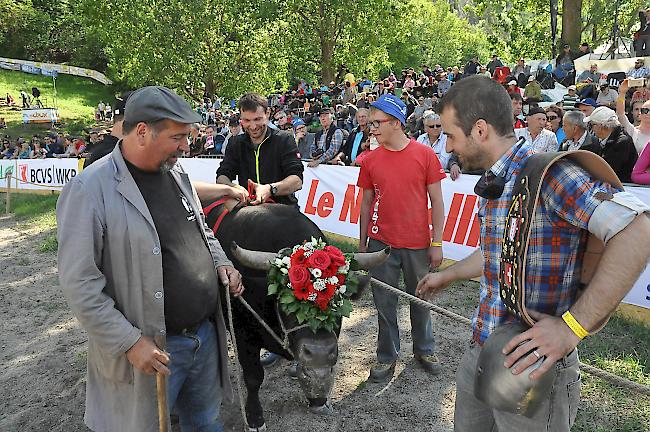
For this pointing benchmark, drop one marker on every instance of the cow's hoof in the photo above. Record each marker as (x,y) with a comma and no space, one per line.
(257,429)
(326,409)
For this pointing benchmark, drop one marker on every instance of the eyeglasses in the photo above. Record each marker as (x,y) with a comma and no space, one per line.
(645,110)
(434,126)
(550,118)
(376,123)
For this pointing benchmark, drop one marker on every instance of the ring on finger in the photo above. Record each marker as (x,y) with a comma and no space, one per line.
(537,354)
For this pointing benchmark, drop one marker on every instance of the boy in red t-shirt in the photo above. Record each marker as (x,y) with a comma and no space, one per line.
(398,179)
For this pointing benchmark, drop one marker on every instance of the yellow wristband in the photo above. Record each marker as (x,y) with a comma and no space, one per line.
(574,325)
(436,244)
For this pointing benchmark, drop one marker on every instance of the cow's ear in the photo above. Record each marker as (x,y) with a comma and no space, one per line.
(364,282)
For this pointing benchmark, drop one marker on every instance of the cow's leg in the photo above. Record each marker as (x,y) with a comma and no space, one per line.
(249,358)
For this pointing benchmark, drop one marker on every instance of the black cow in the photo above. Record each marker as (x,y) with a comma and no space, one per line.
(269,228)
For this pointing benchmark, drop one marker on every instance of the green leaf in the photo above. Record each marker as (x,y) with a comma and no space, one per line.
(300,316)
(273,289)
(313,324)
(287,298)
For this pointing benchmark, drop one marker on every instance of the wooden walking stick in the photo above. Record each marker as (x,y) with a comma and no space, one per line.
(161,390)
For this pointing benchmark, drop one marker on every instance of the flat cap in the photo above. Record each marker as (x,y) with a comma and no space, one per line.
(153,103)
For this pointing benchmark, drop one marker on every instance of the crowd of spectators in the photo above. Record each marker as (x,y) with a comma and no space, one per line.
(50,145)
(329,121)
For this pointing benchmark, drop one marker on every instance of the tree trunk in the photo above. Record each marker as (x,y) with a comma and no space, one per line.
(571,23)
(326,55)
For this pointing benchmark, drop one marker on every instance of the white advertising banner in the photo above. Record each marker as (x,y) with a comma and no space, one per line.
(45,115)
(329,197)
(46,174)
(34,67)
(7,166)
(201,169)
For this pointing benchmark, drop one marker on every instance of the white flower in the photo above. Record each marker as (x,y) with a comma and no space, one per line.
(308,253)
(295,248)
(342,289)
(289,285)
(333,280)
(319,284)
(286,260)
(278,262)
(284,270)
(308,246)
(317,272)
(344,268)
(312,297)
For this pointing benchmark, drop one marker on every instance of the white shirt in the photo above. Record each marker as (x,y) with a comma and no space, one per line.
(546,141)
(575,145)
(639,138)
(439,147)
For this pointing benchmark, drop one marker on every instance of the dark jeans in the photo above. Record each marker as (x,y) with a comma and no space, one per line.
(194,390)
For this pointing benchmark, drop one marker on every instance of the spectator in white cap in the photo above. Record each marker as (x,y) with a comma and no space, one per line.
(570,99)
(512,87)
(616,147)
(533,91)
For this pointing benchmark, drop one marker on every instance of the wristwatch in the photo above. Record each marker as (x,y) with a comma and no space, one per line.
(274,190)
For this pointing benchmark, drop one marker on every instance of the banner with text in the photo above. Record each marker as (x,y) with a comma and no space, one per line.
(329,197)
(45,174)
(43,115)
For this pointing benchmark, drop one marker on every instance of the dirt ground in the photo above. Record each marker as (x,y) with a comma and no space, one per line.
(42,359)
(43,356)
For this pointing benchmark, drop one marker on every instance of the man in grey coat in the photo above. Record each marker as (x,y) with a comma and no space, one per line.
(137,260)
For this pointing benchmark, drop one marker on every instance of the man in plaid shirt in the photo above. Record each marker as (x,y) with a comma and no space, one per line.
(571,205)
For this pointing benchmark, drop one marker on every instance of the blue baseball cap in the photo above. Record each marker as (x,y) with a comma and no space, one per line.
(298,122)
(588,101)
(391,105)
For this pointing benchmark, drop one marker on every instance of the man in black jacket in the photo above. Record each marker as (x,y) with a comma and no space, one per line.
(616,147)
(268,157)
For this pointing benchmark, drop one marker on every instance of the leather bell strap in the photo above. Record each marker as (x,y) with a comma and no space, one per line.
(525,196)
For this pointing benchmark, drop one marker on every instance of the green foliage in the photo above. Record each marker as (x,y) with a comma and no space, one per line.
(48,30)
(598,19)
(522,28)
(430,33)
(514,28)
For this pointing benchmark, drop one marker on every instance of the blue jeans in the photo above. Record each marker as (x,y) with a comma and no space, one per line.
(194,387)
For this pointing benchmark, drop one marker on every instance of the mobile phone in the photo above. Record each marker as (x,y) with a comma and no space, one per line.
(635,82)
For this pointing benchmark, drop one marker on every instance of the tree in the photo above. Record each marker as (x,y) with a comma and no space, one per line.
(571,22)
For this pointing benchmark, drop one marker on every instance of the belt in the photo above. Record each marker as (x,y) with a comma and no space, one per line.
(525,195)
(190,330)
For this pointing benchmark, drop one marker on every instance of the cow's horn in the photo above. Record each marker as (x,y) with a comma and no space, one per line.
(367,260)
(253,259)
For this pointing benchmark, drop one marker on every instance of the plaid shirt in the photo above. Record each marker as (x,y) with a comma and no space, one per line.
(558,235)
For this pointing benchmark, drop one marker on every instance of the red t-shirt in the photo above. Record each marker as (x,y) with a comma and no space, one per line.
(399,215)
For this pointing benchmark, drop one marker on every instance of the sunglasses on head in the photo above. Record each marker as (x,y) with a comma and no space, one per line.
(645,110)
